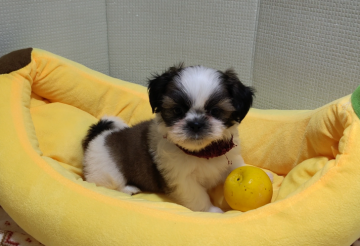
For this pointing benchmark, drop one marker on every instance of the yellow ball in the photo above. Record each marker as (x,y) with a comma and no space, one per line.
(247,188)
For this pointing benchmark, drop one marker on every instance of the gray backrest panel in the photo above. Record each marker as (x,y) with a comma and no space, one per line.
(297,54)
(76,30)
(307,53)
(149,36)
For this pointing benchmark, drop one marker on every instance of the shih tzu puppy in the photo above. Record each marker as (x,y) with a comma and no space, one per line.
(190,146)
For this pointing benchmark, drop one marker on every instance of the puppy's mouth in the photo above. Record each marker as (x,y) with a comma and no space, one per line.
(215,149)
(197,137)
(196,134)
(194,142)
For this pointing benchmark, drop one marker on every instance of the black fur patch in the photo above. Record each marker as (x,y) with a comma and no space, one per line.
(129,148)
(157,86)
(242,95)
(177,110)
(214,108)
(95,130)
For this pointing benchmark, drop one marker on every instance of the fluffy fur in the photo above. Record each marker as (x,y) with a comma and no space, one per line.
(195,107)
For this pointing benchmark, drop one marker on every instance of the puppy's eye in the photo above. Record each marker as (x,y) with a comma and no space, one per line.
(215,112)
(177,111)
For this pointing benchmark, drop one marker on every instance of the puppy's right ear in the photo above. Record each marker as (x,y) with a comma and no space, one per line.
(157,86)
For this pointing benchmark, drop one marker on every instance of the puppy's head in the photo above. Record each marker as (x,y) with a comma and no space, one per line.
(196,105)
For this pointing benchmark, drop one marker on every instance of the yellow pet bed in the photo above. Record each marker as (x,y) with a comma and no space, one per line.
(47,104)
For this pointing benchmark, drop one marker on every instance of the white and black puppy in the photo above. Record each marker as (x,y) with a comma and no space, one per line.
(190,146)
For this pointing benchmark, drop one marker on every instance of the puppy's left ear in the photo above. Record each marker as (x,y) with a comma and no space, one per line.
(158,84)
(241,95)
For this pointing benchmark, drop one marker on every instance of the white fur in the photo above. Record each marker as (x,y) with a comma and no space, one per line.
(189,176)
(100,167)
(193,176)
(199,83)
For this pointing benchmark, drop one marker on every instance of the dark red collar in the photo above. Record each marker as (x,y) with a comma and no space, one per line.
(215,149)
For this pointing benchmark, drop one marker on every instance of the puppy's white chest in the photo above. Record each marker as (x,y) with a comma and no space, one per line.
(211,172)
(180,167)
(189,169)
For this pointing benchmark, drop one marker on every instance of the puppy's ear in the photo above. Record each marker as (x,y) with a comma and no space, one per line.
(158,83)
(241,95)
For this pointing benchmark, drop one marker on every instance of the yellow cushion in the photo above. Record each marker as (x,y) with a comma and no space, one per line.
(46,108)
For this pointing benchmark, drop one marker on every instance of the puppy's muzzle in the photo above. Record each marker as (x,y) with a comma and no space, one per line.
(197,125)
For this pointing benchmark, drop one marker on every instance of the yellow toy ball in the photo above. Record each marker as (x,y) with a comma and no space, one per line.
(247,188)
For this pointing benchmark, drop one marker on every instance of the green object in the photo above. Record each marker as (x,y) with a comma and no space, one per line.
(355,101)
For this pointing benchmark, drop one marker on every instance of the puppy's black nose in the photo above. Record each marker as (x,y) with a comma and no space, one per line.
(196,126)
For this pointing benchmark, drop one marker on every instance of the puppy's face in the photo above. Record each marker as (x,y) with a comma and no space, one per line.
(196,105)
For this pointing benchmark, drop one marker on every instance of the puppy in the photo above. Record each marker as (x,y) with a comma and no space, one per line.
(190,146)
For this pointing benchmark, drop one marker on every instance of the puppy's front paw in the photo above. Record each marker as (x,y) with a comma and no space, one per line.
(214,209)
(131,190)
